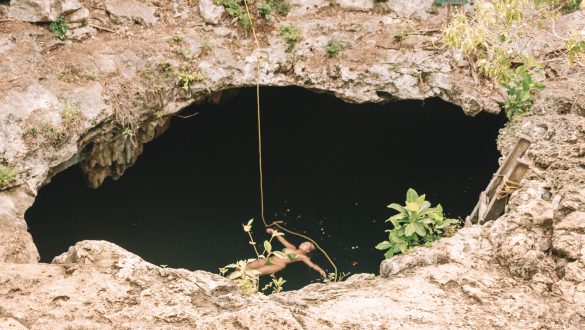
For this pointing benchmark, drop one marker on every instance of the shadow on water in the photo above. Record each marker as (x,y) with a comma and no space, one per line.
(330,170)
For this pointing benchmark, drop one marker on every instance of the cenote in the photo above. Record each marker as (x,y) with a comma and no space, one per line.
(330,170)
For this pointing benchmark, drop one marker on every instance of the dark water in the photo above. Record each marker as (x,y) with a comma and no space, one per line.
(330,170)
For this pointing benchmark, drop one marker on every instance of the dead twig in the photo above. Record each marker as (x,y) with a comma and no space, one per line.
(9,80)
(101,28)
(187,116)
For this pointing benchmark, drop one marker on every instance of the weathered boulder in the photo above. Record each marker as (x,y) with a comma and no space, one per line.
(300,7)
(98,285)
(363,5)
(81,33)
(4,11)
(97,253)
(79,16)
(465,247)
(17,244)
(42,10)
(106,287)
(569,236)
(31,10)
(63,7)
(411,8)
(12,324)
(131,11)
(210,12)
(520,239)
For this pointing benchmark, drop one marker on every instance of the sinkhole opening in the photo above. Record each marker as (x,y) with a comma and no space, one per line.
(330,170)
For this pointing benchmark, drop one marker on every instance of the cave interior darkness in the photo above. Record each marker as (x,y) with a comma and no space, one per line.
(330,170)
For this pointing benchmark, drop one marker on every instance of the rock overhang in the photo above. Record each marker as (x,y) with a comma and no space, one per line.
(102,76)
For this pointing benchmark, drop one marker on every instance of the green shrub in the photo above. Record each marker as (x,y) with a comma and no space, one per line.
(489,38)
(492,38)
(232,7)
(245,22)
(333,47)
(206,47)
(521,89)
(291,34)
(59,27)
(569,6)
(7,176)
(575,48)
(281,7)
(265,10)
(188,76)
(235,9)
(415,224)
(54,136)
(70,116)
(176,39)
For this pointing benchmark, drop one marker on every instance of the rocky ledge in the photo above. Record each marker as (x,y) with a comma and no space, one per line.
(456,283)
(126,67)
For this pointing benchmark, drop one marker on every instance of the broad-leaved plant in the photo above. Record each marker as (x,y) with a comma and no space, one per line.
(416,223)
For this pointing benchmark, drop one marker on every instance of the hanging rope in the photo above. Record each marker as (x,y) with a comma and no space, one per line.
(274,223)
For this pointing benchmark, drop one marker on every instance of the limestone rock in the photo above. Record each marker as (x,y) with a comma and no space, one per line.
(107,287)
(63,7)
(363,5)
(98,253)
(110,158)
(300,7)
(4,11)
(81,33)
(128,11)
(31,10)
(575,271)
(17,244)
(210,12)
(501,275)
(42,10)
(461,248)
(79,16)
(11,324)
(569,236)
(541,284)
(411,8)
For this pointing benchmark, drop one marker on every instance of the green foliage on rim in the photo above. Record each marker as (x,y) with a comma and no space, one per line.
(416,223)
(59,27)
(7,176)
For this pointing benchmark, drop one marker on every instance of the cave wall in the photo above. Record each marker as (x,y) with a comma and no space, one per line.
(95,98)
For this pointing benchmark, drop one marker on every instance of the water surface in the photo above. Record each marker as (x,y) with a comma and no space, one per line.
(330,169)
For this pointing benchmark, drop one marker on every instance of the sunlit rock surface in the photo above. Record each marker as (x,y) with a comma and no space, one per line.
(98,285)
(64,103)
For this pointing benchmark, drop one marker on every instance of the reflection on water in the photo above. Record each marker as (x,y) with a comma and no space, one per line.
(330,169)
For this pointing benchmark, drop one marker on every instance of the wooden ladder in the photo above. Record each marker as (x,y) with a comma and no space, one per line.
(493,200)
